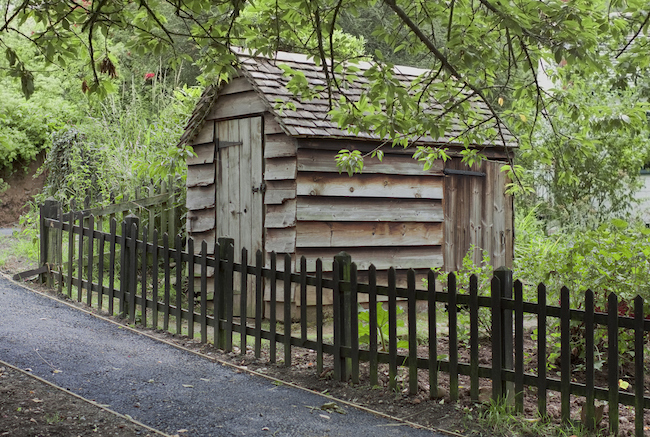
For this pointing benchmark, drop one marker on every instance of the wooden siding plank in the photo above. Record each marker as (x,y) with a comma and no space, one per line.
(278,192)
(208,236)
(487,223)
(384,258)
(476,189)
(245,212)
(281,216)
(346,234)
(257,176)
(204,154)
(234,207)
(201,220)
(236,85)
(370,185)
(280,168)
(323,161)
(237,105)
(205,136)
(200,175)
(370,210)
(282,240)
(450,223)
(200,197)
(499,215)
(279,146)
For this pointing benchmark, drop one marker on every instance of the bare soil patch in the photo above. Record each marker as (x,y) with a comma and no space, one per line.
(23,186)
(30,407)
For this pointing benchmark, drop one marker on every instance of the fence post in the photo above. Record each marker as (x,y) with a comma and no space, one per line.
(505,278)
(49,236)
(225,260)
(345,333)
(128,277)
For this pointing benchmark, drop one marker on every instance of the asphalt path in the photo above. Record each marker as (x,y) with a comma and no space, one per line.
(159,385)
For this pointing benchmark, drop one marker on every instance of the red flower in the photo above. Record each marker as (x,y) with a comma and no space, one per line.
(149,76)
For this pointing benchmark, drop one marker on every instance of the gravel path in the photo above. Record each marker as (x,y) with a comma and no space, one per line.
(159,385)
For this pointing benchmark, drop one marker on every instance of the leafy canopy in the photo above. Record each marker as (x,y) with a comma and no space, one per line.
(487,49)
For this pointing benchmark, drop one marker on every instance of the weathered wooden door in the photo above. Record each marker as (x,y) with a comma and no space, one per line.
(478,213)
(240,190)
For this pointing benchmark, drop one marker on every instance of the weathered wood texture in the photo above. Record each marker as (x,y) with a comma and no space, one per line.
(478,214)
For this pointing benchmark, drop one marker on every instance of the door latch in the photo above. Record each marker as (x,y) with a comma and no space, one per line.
(261,188)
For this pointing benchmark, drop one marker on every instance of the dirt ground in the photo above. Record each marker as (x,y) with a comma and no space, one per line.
(23,186)
(27,403)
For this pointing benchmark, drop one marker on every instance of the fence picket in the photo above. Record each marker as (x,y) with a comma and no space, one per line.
(287,310)
(372,325)
(541,350)
(217,299)
(132,267)
(123,271)
(204,291)
(433,335)
(336,308)
(303,300)
(154,279)
(473,338)
(100,271)
(167,273)
(273,307)
(565,355)
(243,301)
(179,284)
(354,325)
(111,266)
(89,285)
(589,359)
(259,297)
(143,285)
(70,252)
(639,368)
(80,261)
(319,316)
(229,291)
(412,333)
(190,288)
(519,347)
(392,330)
(497,386)
(612,361)
(452,310)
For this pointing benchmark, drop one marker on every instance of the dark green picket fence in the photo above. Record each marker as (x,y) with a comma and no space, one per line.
(125,273)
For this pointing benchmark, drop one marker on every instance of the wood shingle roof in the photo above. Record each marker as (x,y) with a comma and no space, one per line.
(308,117)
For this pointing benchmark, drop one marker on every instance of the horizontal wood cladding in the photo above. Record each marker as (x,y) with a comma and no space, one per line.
(205,135)
(281,216)
(279,146)
(280,240)
(200,175)
(383,258)
(368,210)
(351,234)
(243,104)
(370,185)
(236,85)
(208,236)
(201,221)
(271,125)
(280,168)
(277,192)
(323,161)
(199,197)
(203,153)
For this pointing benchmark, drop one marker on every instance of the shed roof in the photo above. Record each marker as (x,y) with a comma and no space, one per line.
(309,117)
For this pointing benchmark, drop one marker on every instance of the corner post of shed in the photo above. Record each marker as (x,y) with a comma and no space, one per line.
(505,278)
(128,282)
(49,209)
(345,333)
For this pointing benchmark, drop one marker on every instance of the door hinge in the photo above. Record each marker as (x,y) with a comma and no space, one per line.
(261,188)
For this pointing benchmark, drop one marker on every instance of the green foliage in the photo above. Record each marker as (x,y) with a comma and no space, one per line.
(382,326)
(482,271)
(26,126)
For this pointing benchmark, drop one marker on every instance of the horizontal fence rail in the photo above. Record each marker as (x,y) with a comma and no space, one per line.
(160,281)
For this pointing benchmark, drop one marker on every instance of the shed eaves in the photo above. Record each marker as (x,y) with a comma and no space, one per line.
(310,117)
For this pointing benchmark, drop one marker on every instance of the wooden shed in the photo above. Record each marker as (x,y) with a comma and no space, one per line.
(266,176)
